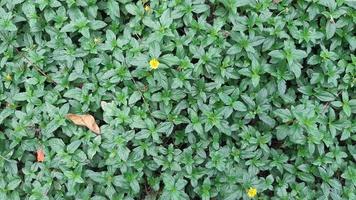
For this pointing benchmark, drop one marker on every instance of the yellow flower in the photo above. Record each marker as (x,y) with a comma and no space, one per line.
(154,63)
(147,8)
(251,192)
(97,40)
(8,77)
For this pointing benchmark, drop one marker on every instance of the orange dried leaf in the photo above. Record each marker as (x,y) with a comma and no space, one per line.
(40,155)
(84,120)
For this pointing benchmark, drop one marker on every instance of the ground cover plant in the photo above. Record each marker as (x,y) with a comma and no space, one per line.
(177,99)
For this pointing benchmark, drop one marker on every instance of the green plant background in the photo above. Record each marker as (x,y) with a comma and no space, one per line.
(248,93)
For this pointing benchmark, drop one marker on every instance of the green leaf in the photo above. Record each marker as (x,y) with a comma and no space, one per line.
(241,3)
(135,186)
(136,96)
(347,109)
(50,128)
(165,127)
(113,8)
(324,96)
(97,24)
(56,144)
(22,96)
(169,59)
(330,29)
(166,19)
(13,184)
(268,120)
(276,54)
(284,114)
(4,114)
(7,25)
(132,9)
(239,106)
(199,8)
(72,147)
(299,54)
(296,69)
(255,78)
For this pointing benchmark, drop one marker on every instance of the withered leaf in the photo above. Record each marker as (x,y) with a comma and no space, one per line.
(84,120)
(40,155)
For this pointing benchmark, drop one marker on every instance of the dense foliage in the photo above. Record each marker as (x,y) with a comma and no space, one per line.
(218,99)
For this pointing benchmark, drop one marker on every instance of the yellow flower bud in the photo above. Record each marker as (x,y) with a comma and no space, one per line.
(8,77)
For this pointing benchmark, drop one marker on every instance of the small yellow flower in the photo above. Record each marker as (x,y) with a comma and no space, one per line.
(97,40)
(251,192)
(154,63)
(8,77)
(147,8)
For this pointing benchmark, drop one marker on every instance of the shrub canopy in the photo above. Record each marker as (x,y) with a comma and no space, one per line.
(218,99)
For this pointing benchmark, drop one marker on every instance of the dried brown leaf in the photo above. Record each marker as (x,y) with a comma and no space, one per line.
(84,120)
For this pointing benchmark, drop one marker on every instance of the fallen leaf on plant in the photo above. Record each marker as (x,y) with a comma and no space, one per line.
(84,120)
(40,155)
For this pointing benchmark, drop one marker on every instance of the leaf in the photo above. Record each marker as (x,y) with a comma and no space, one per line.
(169,59)
(40,155)
(239,106)
(165,127)
(241,3)
(330,29)
(325,96)
(4,114)
(131,9)
(56,144)
(267,119)
(8,25)
(84,120)
(50,127)
(103,104)
(22,96)
(299,54)
(200,8)
(97,24)
(166,19)
(347,109)
(233,50)
(73,146)
(282,86)
(13,184)
(68,28)
(284,114)
(113,8)
(255,78)
(296,69)
(276,54)
(136,96)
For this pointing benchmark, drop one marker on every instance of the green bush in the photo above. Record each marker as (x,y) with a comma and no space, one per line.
(218,99)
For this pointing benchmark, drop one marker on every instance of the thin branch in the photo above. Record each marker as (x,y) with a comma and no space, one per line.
(5,158)
(137,86)
(328,103)
(138,89)
(34,65)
